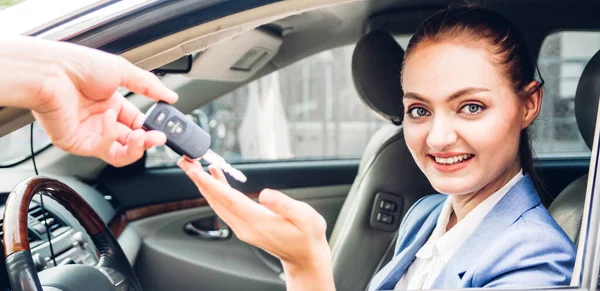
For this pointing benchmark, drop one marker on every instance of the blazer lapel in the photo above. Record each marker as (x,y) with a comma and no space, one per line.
(519,199)
(389,276)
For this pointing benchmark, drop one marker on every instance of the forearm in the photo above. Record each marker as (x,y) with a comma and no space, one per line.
(315,275)
(25,67)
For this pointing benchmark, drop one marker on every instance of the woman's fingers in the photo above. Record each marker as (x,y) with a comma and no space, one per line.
(279,225)
(218,174)
(222,198)
(299,213)
(184,165)
(216,188)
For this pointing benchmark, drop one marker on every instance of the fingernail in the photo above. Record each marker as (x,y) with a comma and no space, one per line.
(266,196)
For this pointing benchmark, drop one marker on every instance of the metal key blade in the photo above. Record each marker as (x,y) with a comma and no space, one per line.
(215,159)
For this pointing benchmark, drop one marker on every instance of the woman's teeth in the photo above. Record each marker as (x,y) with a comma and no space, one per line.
(453,160)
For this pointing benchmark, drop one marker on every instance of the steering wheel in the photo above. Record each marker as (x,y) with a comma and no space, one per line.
(113,271)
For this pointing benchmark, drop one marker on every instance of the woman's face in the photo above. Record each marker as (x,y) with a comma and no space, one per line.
(463,120)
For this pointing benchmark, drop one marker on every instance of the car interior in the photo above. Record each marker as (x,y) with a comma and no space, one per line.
(168,233)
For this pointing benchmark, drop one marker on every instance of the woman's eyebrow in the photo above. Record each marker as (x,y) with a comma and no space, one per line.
(410,95)
(455,95)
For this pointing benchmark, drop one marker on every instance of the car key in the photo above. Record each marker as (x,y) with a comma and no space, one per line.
(185,137)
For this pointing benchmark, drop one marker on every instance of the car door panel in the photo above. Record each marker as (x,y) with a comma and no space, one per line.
(557,173)
(154,186)
(169,259)
(165,257)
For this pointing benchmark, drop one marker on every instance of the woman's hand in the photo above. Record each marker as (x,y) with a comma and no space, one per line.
(72,92)
(289,229)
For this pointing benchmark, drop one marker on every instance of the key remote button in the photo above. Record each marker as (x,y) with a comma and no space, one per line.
(175,127)
(161,116)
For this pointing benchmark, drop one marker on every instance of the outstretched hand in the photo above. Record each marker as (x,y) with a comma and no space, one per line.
(71,91)
(289,229)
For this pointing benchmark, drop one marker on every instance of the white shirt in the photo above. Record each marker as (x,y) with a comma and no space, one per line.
(442,245)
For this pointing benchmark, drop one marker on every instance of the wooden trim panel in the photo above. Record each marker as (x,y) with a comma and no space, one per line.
(118,224)
(151,210)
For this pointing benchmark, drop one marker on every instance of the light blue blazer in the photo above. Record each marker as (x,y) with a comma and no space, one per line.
(518,244)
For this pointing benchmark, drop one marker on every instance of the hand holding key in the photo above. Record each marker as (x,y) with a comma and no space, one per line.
(71,90)
(289,229)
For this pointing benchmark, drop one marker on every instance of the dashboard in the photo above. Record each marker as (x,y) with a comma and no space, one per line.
(70,242)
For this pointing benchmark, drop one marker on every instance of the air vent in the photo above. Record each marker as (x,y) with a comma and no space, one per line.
(37,223)
(34,239)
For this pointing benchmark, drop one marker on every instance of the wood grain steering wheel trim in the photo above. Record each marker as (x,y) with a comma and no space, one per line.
(17,207)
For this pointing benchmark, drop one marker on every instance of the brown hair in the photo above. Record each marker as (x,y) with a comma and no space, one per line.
(472,23)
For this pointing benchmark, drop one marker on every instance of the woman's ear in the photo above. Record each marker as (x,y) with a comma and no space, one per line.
(532,103)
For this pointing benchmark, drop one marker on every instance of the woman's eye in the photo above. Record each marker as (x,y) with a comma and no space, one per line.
(472,109)
(418,112)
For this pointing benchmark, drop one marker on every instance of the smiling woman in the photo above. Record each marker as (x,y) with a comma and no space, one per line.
(469,99)
(469,135)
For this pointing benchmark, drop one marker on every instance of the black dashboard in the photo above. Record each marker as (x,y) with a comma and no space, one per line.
(70,242)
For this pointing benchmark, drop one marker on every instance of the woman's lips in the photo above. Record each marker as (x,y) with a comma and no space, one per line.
(450,162)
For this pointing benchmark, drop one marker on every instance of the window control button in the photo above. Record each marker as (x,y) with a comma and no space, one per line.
(387,205)
(385,218)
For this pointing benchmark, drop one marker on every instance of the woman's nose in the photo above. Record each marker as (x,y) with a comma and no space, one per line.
(441,135)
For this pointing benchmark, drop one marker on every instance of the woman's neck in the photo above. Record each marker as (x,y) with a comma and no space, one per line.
(463,204)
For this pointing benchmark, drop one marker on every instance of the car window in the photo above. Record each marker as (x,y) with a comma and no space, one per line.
(308,110)
(16,145)
(562,58)
(26,16)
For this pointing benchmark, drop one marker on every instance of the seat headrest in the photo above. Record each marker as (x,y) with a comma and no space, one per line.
(586,99)
(376,65)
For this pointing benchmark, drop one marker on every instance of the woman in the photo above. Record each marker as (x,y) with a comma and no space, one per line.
(469,96)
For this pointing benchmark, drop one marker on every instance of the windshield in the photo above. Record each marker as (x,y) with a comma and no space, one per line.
(16,145)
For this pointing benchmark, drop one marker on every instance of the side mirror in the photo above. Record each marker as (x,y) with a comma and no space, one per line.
(182,65)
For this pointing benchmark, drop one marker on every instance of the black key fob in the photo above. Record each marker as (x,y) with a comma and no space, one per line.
(183,135)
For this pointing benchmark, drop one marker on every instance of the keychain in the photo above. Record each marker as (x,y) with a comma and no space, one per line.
(185,137)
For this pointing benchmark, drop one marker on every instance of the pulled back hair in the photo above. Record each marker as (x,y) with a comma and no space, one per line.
(479,26)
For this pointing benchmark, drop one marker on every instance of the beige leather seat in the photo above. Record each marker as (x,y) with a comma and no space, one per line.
(567,208)
(388,181)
